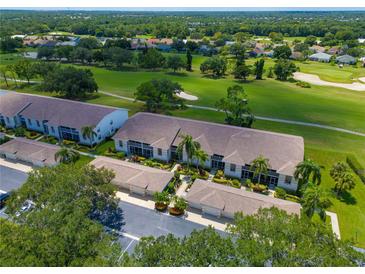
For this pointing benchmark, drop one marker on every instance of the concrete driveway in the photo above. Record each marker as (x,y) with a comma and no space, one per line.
(11,179)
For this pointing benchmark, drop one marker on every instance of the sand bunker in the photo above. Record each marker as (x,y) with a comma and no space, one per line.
(315,80)
(186,96)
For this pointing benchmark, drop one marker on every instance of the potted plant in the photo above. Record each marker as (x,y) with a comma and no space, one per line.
(162,200)
(179,206)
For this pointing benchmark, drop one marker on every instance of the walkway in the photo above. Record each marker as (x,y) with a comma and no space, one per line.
(256,117)
(191,215)
(334,224)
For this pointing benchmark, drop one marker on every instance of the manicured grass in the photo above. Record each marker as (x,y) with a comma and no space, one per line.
(319,104)
(103,147)
(83,160)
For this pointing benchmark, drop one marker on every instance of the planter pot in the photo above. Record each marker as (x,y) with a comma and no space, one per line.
(176,212)
(160,207)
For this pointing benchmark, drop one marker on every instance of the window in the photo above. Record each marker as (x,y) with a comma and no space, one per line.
(159,151)
(121,143)
(29,122)
(52,129)
(7,119)
(38,124)
(287,180)
(233,168)
(98,130)
(111,122)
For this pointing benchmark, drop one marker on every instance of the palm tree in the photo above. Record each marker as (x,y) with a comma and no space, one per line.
(260,166)
(306,170)
(66,155)
(344,181)
(88,132)
(315,200)
(189,145)
(201,157)
(338,169)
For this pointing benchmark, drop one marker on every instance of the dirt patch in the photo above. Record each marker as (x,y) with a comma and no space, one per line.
(315,80)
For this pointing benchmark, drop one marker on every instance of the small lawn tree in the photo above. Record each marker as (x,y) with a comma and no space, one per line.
(66,155)
(189,146)
(88,133)
(315,199)
(306,171)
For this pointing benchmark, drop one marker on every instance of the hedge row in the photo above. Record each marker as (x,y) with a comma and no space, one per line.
(356,167)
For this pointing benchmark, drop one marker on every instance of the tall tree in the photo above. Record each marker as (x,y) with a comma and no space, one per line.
(66,155)
(260,166)
(65,224)
(308,171)
(4,74)
(159,95)
(175,62)
(24,69)
(315,200)
(201,157)
(242,71)
(344,180)
(189,60)
(235,106)
(282,52)
(259,69)
(88,133)
(284,69)
(188,145)
(151,59)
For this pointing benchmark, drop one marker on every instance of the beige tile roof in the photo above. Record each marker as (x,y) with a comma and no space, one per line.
(237,145)
(34,150)
(152,179)
(232,200)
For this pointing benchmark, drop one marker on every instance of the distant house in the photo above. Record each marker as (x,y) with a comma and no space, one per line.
(37,153)
(224,201)
(361,40)
(62,119)
(296,55)
(317,49)
(134,177)
(346,59)
(320,57)
(362,59)
(334,50)
(164,47)
(230,43)
(73,42)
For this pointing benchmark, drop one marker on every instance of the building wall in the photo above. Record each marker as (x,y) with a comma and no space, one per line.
(293,183)
(118,146)
(108,125)
(165,156)
(32,124)
(211,211)
(10,122)
(237,173)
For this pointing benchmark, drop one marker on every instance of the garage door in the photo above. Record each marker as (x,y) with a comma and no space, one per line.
(212,211)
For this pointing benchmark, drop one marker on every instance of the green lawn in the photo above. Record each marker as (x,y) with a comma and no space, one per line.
(319,104)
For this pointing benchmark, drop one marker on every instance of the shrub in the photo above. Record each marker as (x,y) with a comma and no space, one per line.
(179,203)
(259,188)
(221,181)
(236,183)
(292,198)
(356,167)
(120,155)
(303,84)
(4,140)
(69,143)
(219,174)
(280,193)
(19,132)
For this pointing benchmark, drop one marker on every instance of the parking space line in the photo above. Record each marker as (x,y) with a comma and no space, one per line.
(134,238)
(120,257)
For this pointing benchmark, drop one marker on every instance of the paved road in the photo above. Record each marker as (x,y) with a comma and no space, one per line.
(11,179)
(258,117)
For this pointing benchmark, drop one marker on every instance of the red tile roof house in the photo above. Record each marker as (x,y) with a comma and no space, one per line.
(60,118)
(34,152)
(224,201)
(230,148)
(136,178)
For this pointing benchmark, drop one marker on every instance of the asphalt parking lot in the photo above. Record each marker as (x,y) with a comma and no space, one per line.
(11,179)
(140,221)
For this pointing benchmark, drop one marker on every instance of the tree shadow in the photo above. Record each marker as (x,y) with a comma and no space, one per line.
(213,77)
(111,217)
(345,197)
(179,74)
